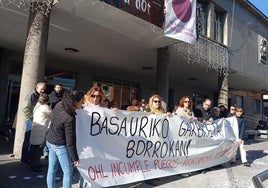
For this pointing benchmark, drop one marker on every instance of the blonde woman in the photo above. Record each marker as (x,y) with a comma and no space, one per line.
(155,105)
(94,97)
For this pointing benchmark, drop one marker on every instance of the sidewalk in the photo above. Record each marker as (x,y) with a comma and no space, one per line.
(13,174)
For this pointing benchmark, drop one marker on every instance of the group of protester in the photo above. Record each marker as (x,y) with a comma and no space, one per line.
(54,129)
(50,123)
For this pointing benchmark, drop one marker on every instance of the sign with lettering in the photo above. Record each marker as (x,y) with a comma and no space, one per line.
(119,147)
(149,10)
(181,20)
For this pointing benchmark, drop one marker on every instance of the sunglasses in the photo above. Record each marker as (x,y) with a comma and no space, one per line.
(232,109)
(157,101)
(97,96)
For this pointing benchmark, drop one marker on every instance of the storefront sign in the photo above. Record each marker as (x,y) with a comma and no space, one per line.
(149,10)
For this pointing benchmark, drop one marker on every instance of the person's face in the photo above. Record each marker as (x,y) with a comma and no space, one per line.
(96,98)
(239,113)
(232,109)
(79,104)
(206,104)
(217,112)
(156,102)
(186,103)
(115,104)
(41,88)
(58,88)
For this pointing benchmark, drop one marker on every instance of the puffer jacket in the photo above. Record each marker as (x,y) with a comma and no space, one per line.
(62,130)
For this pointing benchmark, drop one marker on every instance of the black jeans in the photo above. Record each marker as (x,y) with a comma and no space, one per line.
(36,152)
(25,154)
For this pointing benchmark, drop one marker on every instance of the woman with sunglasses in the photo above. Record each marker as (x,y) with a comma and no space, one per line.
(155,105)
(184,107)
(94,97)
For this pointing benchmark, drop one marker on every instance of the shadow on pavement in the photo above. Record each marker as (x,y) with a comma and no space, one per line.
(14,174)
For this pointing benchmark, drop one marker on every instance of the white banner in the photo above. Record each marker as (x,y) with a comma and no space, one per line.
(122,147)
(180,22)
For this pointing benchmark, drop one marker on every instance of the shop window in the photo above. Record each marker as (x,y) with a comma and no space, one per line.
(257,106)
(265,109)
(12,99)
(239,101)
(53,76)
(115,90)
(68,79)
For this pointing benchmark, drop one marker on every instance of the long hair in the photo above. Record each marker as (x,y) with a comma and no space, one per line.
(69,98)
(159,110)
(181,103)
(43,98)
(91,91)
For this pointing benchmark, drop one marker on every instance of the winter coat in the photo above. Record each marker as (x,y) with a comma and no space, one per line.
(29,105)
(241,127)
(201,113)
(62,130)
(54,98)
(41,122)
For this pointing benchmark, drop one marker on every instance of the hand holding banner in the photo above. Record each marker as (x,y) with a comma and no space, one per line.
(123,147)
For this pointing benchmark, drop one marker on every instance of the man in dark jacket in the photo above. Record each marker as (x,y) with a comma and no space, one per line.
(202,111)
(55,95)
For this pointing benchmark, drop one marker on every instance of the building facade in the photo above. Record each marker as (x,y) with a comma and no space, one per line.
(117,45)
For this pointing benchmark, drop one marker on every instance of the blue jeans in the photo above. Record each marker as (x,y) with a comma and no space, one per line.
(59,153)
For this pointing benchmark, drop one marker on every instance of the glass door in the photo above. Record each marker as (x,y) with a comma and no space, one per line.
(12,97)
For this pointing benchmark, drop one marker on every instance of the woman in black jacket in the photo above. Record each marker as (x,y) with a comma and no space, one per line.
(61,138)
